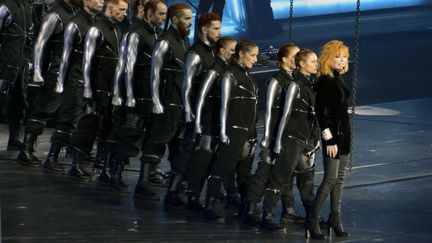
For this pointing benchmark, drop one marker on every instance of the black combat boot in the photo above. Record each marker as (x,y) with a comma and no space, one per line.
(26,156)
(50,164)
(143,189)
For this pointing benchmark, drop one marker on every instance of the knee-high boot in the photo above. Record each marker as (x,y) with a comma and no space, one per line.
(50,164)
(334,221)
(26,156)
(171,197)
(331,166)
(271,197)
(143,189)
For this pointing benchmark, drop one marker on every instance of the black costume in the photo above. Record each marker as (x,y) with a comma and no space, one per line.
(207,125)
(199,57)
(237,119)
(166,126)
(134,69)
(15,31)
(70,77)
(47,60)
(295,136)
(332,113)
(99,64)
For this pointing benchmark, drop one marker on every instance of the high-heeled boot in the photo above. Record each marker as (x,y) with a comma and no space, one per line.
(334,222)
(172,198)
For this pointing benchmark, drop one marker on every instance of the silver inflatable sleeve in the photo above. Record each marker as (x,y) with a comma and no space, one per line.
(226,85)
(5,17)
(69,37)
(192,64)
(291,94)
(92,37)
(49,24)
(273,89)
(160,50)
(206,85)
(131,57)
(119,72)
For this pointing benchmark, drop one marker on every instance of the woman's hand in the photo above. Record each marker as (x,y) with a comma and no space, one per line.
(332,150)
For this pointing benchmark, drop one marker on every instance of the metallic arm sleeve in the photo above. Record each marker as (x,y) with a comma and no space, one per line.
(49,24)
(132,52)
(5,17)
(92,38)
(205,88)
(291,95)
(273,90)
(120,69)
(69,37)
(192,63)
(226,85)
(160,50)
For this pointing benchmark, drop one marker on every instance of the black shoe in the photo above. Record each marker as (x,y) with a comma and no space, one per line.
(51,167)
(28,159)
(79,173)
(116,183)
(211,215)
(233,201)
(289,218)
(270,225)
(194,204)
(145,192)
(15,144)
(173,200)
(104,178)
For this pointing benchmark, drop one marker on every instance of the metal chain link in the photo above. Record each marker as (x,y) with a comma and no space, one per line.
(290,20)
(355,79)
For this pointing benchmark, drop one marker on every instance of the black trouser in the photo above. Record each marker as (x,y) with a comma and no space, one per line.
(305,185)
(91,125)
(281,173)
(228,156)
(69,107)
(15,99)
(165,129)
(128,133)
(185,150)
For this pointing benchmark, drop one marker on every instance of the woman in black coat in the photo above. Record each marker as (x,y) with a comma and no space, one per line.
(332,113)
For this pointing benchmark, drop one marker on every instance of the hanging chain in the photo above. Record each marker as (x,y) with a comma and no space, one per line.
(355,79)
(290,20)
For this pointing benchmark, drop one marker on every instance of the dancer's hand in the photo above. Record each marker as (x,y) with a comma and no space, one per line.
(332,150)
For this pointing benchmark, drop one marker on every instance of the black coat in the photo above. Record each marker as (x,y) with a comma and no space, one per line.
(332,107)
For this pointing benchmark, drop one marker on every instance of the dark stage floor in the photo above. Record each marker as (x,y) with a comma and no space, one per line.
(388,196)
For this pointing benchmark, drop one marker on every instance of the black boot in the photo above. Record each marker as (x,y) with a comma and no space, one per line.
(251,215)
(172,198)
(313,229)
(334,222)
(50,164)
(116,170)
(194,203)
(271,197)
(143,189)
(104,177)
(290,216)
(269,224)
(14,142)
(26,156)
(77,170)
(210,211)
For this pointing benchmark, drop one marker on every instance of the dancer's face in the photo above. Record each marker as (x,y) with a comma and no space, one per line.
(310,65)
(249,58)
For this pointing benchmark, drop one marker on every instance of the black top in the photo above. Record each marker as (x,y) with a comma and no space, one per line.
(302,124)
(172,70)
(332,107)
(54,47)
(242,111)
(82,20)
(15,39)
(210,115)
(206,54)
(105,58)
(147,36)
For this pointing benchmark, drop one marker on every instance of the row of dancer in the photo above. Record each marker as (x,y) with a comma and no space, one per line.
(152,88)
